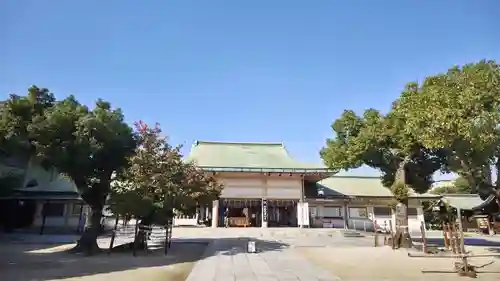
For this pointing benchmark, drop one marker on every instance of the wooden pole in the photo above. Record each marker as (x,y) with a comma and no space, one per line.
(446,237)
(44,218)
(113,235)
(458,247)
(79,227)
(424,237)
(134,246)
(166,239)
(453,238)
(465,263)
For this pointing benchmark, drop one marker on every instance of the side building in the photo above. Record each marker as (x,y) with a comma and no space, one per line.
(360,203)
(38,197)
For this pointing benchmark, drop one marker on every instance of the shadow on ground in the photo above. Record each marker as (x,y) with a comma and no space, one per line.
(26,262)
(468,242)
(495,251)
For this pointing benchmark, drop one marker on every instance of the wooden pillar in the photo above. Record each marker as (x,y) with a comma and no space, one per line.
(346,215)
(301,208)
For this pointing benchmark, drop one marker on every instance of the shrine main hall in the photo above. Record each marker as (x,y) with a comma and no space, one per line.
(264,186)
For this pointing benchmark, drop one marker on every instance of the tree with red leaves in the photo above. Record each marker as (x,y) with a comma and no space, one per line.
(158,181)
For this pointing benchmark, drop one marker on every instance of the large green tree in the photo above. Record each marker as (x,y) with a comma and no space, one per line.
(380,142)
(16,116)
(87,145)
(457,110)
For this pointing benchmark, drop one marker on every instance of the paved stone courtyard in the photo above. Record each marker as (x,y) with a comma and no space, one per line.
(283,254)
(228,260)
(276,258)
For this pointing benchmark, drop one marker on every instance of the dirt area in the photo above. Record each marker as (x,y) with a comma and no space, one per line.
(44,262)
(382,263)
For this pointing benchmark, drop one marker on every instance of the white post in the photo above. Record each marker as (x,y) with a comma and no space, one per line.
(215,213)
(201,213)
(346,216)
(421,217)
(302,219)
(264,215)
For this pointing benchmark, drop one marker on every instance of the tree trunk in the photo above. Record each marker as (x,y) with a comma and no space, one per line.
(497,166)
(402,238)
(400,190)
(141,240)
(88,241)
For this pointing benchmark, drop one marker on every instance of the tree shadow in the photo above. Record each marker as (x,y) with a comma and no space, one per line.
(468,241)
(495,251)
(25,262)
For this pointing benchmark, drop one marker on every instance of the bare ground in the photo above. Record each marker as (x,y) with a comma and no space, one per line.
(44,262)
(382,263)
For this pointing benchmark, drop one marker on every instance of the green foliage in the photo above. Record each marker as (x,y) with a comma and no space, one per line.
(16,116)
(87,145)
(400,191)
(8,183)
(380,142)
(459,186)
(457,111)
(449,122)
(435,219)
(157,181)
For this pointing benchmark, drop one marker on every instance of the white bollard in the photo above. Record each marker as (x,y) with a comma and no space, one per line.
(251,247)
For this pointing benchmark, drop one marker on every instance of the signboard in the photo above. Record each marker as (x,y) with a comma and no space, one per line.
(483,224)
(305,210)
(264,210)
(400,210)
(303,213)
(400,216)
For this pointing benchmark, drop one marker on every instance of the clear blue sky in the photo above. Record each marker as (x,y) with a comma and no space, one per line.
(240,70)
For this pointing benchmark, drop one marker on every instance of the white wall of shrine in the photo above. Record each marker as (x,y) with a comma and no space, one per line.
(278,188)
(254,188)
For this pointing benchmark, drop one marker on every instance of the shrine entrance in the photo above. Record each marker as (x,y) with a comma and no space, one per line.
(282,213)
(249,213)
(240,213)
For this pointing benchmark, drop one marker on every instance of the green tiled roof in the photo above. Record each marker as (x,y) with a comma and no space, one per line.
(360,187)
(47,195)
(234,156)
(462,201)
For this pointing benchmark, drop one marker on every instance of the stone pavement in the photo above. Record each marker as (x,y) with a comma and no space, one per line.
(227,260)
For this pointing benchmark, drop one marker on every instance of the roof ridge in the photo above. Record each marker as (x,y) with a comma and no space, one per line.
(238,143)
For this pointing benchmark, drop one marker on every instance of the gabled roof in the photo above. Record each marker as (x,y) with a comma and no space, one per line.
(463,201)
(37,179)
(247,156)
(352,186)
